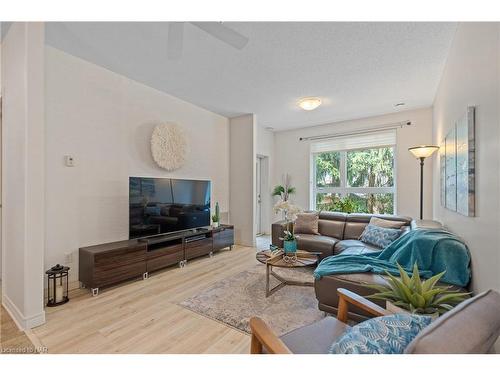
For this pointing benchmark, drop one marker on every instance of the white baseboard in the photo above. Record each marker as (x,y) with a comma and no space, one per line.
(22,322)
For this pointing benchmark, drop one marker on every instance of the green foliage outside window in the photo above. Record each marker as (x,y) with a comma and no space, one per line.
(372,168)
(328,169)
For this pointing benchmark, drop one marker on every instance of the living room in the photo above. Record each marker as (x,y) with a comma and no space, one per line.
(178,187)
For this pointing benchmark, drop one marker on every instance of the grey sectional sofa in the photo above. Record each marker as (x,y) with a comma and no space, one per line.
(339,233)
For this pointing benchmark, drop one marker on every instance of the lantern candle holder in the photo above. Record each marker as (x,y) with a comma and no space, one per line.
(57,285)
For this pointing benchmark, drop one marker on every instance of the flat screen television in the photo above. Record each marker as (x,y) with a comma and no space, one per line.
(165,205)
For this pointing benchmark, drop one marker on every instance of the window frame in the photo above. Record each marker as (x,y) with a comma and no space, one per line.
(344,190)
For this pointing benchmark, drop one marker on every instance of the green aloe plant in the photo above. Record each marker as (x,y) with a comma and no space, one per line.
(417,296)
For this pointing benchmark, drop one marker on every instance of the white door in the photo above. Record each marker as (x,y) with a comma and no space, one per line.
(258,200)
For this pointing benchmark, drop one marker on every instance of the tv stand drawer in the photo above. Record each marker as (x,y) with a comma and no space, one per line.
(106,277)
(108,264)
(164,257)
(198,248)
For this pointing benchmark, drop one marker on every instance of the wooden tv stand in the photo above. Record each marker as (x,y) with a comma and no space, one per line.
(107,264)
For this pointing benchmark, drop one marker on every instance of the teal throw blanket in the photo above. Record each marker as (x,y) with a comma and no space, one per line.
(434,250)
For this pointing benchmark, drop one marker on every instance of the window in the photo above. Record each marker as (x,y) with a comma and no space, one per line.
(360,179)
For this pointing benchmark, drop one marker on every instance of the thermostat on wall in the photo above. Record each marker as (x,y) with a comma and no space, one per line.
(69,161)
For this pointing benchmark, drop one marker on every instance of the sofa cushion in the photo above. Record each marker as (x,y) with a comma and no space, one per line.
(356,223)
(332,228)
(378,236)
(331,224)
(315,338)
(316,243)
(388,334)
(384,223)
(354,247)
(471,327)
(306,223)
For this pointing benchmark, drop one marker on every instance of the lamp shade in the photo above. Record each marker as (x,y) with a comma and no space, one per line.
(423,151)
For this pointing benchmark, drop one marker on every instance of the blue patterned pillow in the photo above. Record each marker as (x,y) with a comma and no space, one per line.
(389,334)
(378,236)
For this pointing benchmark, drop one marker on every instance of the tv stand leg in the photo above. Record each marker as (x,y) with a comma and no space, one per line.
(211,254)
(230,247)
(95,291)
(82,286)
(182,263)
(145,276)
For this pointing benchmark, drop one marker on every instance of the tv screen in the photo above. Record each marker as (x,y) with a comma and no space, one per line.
(163,205)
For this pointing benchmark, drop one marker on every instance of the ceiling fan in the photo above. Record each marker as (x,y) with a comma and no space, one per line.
(216,29)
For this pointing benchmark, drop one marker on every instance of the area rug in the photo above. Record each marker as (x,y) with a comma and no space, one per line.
(233,301)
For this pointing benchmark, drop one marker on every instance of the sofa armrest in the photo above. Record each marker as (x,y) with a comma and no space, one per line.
(425,224)
(346,297)
(278,231)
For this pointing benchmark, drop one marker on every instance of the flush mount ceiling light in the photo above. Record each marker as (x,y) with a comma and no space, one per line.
(310,103)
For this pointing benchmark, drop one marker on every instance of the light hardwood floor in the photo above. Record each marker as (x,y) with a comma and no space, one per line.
(12,339)
(143,316)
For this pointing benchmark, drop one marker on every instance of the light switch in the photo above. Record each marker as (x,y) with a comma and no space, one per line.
(69,161)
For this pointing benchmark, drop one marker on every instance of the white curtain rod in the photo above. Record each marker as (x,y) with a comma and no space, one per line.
(357,132)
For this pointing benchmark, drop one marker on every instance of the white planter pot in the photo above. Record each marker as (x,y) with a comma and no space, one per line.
(215,224)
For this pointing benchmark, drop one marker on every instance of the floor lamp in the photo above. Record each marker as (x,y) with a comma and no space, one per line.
(422,152)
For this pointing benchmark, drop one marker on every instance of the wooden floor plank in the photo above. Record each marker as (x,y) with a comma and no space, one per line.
(12,339)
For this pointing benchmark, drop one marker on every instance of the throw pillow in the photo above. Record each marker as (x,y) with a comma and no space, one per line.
(306,223)
(378,236)
(386,223)
(389,334)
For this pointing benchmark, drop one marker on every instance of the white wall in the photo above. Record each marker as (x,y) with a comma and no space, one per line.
(265,149)
(104,120)
(293,156)
(1,252)
(471,77)
(23,173)
(243,135)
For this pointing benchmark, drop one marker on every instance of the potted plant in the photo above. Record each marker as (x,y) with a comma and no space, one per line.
(216,216)
(284,191)
(289,242)
(412,295)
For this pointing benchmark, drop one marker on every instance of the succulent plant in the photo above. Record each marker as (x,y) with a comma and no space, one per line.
(417,296)
(216,215)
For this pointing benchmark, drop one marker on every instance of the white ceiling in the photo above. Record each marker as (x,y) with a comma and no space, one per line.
(358,69)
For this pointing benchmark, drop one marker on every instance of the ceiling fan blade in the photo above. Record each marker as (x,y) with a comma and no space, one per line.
(223,33)
(175,40)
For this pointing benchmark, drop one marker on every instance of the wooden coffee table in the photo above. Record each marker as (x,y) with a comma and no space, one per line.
(304,259)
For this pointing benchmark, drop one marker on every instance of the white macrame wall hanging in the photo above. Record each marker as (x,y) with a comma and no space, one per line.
(169,146)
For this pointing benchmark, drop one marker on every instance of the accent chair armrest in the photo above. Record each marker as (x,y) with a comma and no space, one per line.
(264,337)
(346,297)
